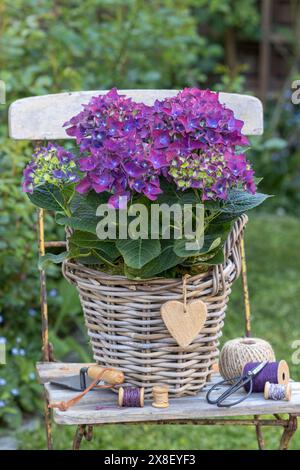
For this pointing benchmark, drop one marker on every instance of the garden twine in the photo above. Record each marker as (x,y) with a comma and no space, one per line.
(236,353)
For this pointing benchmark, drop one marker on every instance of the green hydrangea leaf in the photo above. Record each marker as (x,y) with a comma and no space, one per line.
(240,201)
(84,209)
(137,253)
(47,197)
(91,242)
(167,259)
(50,258)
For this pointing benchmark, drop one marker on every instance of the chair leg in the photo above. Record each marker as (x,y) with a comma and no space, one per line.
(289,431)
(247,310)
(259,435)
(80,431)
(88,434)
(48,423)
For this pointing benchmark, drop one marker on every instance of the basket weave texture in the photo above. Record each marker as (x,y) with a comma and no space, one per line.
(127,332)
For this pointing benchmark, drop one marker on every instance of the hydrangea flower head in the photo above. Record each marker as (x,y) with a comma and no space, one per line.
(113,135)
(51,164)
(201,136)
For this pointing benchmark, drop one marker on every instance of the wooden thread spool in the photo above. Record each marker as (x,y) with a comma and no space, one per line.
(285,391)
(140,401)
(161,396)
(273,372)
(283,373)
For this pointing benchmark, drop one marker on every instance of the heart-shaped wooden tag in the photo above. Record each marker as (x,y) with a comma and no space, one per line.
(184,326)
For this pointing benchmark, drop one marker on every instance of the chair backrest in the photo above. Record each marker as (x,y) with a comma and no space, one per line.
(42,117)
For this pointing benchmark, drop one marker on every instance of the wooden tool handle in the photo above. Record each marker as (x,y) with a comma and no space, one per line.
(111,376)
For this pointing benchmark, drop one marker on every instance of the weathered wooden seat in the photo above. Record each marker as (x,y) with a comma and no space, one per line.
(42,117)
(100,407)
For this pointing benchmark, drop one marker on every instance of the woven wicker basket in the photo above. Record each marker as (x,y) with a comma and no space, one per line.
(127,332)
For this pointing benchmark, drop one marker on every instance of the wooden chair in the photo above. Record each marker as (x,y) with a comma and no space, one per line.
(41,118)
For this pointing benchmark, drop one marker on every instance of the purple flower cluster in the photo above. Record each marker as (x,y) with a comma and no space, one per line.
(127,147)
(203,135)
(50,165)
(113,134)
(190,139)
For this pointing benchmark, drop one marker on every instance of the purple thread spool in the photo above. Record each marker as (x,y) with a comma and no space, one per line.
(273,372)
(131,397)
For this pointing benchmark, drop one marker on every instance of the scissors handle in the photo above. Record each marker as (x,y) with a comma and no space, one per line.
(217,385)
(243,397)
(239,383)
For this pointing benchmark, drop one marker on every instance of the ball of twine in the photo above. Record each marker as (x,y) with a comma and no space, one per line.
(236,353)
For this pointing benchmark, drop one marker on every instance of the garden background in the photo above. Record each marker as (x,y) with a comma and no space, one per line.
(229,45)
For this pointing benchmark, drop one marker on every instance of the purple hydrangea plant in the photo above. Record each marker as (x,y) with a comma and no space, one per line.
(127,147)
(123,149)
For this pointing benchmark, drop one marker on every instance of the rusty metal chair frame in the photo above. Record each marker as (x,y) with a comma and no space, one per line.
(288,424)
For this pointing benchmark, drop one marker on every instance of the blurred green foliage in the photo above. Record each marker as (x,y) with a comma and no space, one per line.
(49,46)
(277,157)
(94,44)
(220,15)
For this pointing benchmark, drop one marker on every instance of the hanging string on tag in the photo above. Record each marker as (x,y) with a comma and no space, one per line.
(184,291)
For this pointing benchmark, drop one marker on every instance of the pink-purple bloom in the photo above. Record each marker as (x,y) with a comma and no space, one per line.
(126,147)
(201,150)
(113,134)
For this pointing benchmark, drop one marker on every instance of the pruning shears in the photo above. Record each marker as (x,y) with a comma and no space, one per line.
(236,384)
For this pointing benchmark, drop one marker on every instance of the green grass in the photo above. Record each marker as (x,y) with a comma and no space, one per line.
(273,248)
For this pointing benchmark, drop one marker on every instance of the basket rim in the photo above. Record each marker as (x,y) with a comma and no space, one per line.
(155,280)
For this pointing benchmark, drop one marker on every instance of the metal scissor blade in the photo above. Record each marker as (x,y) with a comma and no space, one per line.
(72,382)
(258,368)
